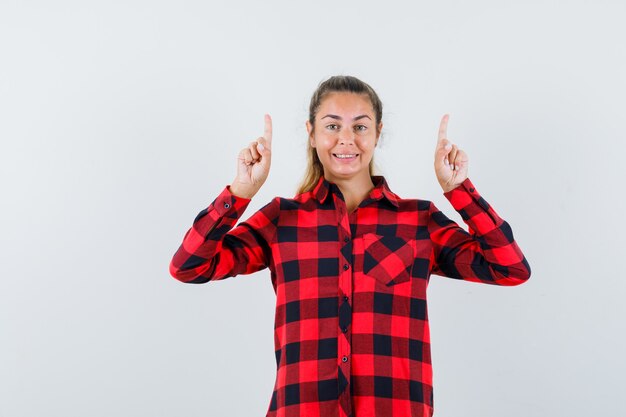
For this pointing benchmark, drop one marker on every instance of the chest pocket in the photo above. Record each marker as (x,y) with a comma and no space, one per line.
(389,259)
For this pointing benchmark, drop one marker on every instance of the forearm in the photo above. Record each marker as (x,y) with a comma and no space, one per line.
(194,261)
(488,253)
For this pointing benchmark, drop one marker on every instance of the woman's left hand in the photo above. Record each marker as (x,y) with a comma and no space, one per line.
(450,161)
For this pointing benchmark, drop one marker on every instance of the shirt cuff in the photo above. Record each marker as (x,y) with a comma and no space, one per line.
(227,201)
(224,211)
(228,204)
(474,209)
(463,194)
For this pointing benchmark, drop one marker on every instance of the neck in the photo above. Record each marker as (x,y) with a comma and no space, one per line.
(354,190)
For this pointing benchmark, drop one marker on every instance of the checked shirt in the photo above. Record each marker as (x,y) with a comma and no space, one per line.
(351,329)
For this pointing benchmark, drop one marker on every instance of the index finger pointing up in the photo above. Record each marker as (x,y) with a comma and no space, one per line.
(443,127)
(268,129)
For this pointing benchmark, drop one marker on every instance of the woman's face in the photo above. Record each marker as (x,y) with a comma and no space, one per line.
(345,125)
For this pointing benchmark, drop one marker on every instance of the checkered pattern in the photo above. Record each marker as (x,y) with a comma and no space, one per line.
(351,326)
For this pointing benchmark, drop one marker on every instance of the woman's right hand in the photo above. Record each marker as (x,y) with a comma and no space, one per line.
(253,164)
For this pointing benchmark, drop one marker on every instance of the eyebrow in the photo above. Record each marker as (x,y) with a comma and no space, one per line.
(334,116)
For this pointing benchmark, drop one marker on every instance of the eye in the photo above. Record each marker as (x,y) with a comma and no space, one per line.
(361,126)
(329,126)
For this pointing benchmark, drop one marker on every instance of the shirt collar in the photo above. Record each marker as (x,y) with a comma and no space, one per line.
(380,190)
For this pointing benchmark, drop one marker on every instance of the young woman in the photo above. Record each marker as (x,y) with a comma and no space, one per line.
(350,260)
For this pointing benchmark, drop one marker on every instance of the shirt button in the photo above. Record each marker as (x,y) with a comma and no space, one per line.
(345,267)
(345,298)
(344,359)
(346,239)
(226,205)
(345,329)
(471,189)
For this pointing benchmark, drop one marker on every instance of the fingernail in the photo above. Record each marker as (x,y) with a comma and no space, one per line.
(261,147)
(448,146)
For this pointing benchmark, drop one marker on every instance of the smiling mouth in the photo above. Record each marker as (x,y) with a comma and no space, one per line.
(346,158)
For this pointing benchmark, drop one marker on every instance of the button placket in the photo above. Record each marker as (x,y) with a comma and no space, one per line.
(344,294)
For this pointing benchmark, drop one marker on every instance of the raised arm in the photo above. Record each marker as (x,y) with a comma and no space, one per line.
(210,249)
(487,253)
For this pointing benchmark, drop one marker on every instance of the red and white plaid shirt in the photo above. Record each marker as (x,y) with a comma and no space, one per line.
(351,332)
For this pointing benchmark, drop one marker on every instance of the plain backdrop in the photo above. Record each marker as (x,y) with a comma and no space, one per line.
(121,120)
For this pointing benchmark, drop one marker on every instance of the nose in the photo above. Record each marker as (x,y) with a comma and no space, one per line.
(346,136)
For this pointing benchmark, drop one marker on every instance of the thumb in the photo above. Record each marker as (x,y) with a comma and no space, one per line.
(443,148)
(262,146)
(264,150)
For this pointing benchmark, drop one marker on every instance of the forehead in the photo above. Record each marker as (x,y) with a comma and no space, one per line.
(346,103)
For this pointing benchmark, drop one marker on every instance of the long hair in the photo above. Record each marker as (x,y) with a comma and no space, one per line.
(337,83)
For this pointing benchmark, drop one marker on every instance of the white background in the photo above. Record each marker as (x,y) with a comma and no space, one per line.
(121,120)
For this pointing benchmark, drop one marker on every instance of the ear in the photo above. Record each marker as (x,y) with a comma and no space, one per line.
(309,128)
(380,128)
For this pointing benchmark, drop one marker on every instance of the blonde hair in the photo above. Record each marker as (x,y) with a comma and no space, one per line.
(337,83)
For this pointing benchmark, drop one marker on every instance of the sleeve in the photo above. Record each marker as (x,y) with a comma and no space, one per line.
(210,250)
(487,253)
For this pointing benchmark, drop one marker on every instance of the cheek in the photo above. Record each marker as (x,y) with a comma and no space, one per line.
(325,143)
(367,144)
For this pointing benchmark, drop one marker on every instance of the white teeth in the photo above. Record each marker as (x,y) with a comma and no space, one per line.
(344,156)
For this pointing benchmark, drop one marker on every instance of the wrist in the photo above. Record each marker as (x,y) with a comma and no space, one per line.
(238,191)
(448,189)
